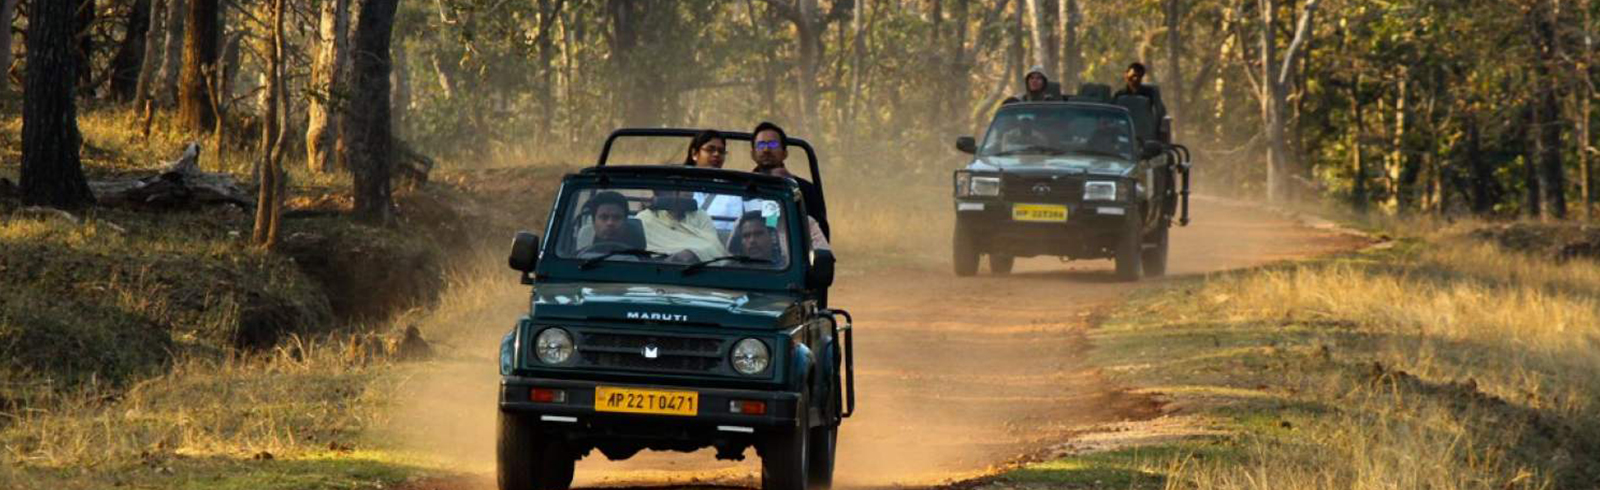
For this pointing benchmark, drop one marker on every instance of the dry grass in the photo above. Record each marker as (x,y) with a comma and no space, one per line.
(1440,363)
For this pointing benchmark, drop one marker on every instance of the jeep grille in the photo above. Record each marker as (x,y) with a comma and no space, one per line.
(673,353)
(1024,188)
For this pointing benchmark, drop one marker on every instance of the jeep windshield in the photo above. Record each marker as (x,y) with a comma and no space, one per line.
(698,230)
(1060,135)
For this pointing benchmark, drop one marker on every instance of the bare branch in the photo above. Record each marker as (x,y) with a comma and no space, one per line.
(1301,34)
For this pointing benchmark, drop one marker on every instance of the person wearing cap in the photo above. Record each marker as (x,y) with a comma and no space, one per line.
(1036,86)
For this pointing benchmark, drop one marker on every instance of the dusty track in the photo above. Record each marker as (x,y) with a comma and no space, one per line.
(956,376)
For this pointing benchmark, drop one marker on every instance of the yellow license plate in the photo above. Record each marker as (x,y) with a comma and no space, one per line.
(1038,212)
(633,400)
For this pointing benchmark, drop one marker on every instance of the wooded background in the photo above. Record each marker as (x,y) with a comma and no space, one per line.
(1404,106)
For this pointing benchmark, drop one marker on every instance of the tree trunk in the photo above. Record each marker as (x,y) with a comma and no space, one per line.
(1036,34)
(810,27)
(269,202)
(8,12)
(1071,52)
(1530,163)
(152,52)
(328,73)
(1358,188)
(130,56)
(371,154)
(52,174)
(1548,110)
(199,75)
(549,11)
(86,12)
(1269,109)
(1174,79)
(399,79)
(1482,175)
(166,81)
(1587,94)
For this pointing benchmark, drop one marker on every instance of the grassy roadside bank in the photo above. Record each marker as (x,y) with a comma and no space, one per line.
(1443,361)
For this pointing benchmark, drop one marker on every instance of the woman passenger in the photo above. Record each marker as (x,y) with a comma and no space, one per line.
(707,149)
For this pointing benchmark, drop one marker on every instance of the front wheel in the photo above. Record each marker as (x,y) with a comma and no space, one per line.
(525,461)
(1155,257)
(784,458)
(1000,265)
(824,443)
(1130,260)
(965,251)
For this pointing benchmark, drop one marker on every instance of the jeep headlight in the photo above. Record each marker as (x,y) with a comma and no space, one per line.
(985,186)
(508,352)
(553,346)
(750,357)
(1100,191)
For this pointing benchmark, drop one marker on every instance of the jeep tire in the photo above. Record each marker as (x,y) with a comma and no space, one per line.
(1000,265)
(1130,260)
(1155,254)
(965,251)
(526,461)
(823,445)
(784,457)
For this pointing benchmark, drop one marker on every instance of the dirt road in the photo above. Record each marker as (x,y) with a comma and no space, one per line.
(956,376)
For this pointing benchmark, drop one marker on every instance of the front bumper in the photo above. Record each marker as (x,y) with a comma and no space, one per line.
(1090,231)
(578,415)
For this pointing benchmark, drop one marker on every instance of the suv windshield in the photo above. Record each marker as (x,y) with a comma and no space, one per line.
(700,230)
(1059,136)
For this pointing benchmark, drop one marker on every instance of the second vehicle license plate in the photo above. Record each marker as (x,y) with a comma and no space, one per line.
(633,400)
(1039,212)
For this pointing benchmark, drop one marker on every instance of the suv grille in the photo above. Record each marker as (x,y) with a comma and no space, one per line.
(1020,188)
(678,354)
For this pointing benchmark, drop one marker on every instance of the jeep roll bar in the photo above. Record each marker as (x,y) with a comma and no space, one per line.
(811,154)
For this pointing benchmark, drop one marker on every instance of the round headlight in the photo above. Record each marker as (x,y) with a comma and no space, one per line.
(553,346)
(750,357)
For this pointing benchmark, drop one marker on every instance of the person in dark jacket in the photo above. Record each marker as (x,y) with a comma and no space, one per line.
(1134,79)
(769,147)
(1036,86)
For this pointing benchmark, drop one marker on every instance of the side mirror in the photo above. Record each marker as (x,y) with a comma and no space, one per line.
(1152,149)
(820,275)
(524,252)
(967,145)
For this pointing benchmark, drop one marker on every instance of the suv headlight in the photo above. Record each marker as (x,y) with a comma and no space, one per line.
(553,346)
(1100,191)
(968,185)
(750,357)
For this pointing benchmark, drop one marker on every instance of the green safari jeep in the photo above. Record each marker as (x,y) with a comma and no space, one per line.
(651,327)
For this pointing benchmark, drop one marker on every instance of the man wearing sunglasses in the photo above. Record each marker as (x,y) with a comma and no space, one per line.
(769,149)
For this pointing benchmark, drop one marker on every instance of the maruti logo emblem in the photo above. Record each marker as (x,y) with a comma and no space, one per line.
(651,352)
(660,317)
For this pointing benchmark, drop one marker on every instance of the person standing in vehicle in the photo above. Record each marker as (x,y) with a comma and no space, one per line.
(707,149)
(1134,85)
(769,148)
(1036,86)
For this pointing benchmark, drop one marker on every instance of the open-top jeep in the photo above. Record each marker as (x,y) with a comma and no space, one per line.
(1079,179)
(642,334)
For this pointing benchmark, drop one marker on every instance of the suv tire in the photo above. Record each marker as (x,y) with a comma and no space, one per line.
(1155,258)
(1130,263)
(965,251)
(1000,265)
(527,462)
(783,460)
(823,445)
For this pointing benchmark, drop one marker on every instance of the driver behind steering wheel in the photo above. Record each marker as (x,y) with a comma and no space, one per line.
(610,219)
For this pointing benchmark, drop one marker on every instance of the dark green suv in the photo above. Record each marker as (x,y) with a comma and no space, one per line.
(1077,180)
(655,323)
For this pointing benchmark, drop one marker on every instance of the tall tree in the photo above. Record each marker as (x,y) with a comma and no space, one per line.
(1071,51)
(8,11)
(52,174)
(371,154)
(809,25)
(1547,109)
(1274,92)
(1174,78)
(269,199)
(328,74)
(147,64)
(125,66)
(166,79)
(196,111)
(86,11)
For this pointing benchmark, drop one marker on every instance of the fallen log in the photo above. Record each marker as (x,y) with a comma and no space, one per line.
(181,185)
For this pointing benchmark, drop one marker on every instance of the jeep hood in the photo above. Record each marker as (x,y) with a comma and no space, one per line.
(1044,165)
(663,305)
